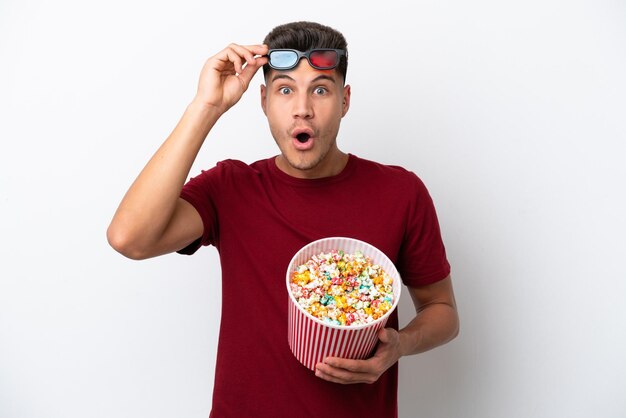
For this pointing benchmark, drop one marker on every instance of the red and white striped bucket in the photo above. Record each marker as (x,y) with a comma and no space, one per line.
(310,339)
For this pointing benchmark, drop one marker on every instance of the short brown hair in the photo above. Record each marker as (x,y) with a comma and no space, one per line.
(304,36)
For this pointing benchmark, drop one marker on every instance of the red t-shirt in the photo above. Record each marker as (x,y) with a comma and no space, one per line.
(258,217)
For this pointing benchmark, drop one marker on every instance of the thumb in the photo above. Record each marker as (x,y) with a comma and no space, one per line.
(387,335)
(251,69)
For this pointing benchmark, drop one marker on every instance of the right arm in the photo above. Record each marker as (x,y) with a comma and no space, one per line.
(152,219)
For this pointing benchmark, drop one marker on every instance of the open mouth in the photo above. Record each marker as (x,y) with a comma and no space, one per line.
(303,137)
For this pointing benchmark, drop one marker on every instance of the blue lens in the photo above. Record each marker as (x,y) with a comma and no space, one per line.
(283,59)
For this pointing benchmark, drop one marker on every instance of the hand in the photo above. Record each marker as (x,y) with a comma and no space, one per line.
(348,371)
(227,75)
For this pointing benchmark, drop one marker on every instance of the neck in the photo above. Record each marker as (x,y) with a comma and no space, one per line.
(331,165)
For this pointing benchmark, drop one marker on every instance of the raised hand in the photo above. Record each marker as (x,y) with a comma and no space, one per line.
(227,75)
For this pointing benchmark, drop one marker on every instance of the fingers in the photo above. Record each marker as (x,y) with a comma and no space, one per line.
(355,366)
(342,377)
(345,371)
(240,55)
(250,69)
(387,335)
(227,74)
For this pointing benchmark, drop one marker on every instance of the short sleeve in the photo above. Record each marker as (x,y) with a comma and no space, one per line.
(422,258)
(200,192)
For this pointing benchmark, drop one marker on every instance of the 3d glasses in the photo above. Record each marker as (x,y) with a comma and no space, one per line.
(321,58)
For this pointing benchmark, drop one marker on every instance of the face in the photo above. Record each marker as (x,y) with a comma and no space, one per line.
(304,107)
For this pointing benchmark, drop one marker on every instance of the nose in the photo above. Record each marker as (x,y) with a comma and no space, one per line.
(302,106)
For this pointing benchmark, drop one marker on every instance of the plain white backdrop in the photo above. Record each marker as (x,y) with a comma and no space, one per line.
(513,114)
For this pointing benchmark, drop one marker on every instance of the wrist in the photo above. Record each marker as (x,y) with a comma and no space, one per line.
(201,107)
(205,114)
(409,341)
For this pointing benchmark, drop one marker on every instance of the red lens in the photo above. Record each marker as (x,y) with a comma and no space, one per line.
(323,59)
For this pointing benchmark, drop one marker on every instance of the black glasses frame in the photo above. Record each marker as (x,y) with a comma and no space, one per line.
(306,54)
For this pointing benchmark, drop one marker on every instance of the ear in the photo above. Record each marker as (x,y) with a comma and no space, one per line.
(346,100)
(264,98)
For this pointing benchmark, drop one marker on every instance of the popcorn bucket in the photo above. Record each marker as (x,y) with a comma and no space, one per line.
(311,339)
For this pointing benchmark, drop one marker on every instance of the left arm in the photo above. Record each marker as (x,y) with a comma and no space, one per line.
(436,322)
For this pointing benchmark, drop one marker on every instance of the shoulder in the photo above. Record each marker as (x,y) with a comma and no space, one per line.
(388,174)
(237,166)
(229,168)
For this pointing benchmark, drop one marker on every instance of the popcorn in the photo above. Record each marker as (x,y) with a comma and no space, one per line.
(342,289)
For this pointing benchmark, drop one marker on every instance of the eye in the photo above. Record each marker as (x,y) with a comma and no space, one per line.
(320,90)
(284,90)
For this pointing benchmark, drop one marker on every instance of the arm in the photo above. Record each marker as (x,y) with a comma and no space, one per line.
(152,219)
(436,322)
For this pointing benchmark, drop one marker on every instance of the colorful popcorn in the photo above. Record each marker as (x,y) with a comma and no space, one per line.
(342,289)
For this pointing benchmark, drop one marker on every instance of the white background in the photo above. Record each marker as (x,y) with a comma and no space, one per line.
(513,114)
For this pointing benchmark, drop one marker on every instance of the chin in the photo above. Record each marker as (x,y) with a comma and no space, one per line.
(302,162)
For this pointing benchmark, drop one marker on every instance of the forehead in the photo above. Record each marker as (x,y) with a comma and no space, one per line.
(303,73)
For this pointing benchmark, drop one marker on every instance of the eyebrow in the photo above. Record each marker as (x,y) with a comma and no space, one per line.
(318,78)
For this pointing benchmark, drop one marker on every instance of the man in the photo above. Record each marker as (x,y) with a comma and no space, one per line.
(259,215)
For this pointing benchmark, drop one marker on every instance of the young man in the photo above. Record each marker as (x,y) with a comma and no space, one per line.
(259,215)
